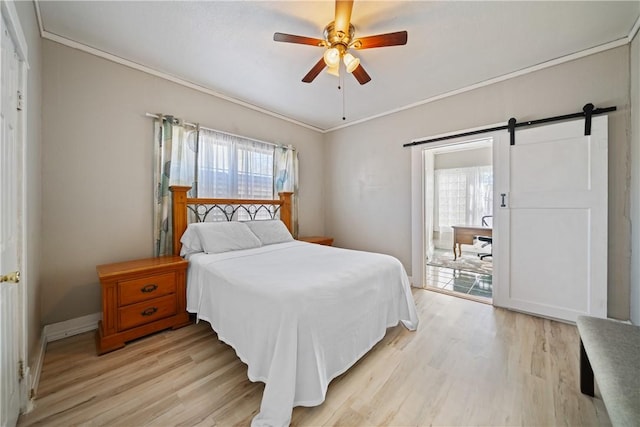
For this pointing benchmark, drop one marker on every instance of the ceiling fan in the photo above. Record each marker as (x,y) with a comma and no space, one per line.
(339,38)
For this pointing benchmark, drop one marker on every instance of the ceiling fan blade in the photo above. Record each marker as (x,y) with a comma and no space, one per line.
(381,40)
(290,38)
(343,15)
(361,75)
(313,73)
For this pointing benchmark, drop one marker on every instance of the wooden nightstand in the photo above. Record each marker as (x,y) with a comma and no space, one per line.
(140,297)
(321,240)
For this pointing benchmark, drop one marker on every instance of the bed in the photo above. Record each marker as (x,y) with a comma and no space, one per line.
(297,314)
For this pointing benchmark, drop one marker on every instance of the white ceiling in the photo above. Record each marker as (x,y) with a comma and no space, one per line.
(227,46)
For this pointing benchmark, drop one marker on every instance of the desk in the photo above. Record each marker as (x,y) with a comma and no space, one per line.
(464,234)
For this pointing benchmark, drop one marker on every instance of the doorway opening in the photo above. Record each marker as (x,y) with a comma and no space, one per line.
(458,215)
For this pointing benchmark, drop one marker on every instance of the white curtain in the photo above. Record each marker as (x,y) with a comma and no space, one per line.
(255,169)
(215,157)
(174,147)
(463,196)
(285,178)
(233,167)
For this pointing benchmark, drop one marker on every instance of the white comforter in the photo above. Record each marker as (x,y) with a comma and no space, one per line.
(298,314)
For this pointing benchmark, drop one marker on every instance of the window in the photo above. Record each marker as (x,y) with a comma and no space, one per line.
(229,166)
(216,165)
(464,196)
(233,167)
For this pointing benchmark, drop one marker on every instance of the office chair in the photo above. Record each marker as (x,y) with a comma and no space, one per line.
(487,240)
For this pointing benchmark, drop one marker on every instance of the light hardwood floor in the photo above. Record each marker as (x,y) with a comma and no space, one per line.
(467,364)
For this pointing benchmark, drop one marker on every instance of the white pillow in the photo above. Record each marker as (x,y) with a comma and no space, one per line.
(225,236)
(190,241)
(270,231)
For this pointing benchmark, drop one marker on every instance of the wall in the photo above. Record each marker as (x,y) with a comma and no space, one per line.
(635,181)
(33,181)
(97,173)
(464,158)
(370,188)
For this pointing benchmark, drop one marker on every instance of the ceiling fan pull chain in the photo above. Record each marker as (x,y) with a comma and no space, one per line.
(343,95)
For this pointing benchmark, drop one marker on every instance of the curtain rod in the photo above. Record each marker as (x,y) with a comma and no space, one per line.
(156,116)
(587,111)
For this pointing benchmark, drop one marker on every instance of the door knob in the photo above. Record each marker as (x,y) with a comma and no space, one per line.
(11,277)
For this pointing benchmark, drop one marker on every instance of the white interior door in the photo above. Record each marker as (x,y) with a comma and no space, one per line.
(10,233)
(551,245)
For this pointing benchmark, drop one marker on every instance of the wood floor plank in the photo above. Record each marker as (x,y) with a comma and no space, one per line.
(467,364)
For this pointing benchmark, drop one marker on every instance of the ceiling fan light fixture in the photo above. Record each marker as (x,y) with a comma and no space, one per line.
(339,38)
(334,71)
(351,62)
(332,57)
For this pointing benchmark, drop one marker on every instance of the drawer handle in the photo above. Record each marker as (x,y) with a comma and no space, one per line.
(148,288)
(149,311)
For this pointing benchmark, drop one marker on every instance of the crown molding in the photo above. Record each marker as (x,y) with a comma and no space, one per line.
(122,61)
(547,64)
(561,60)
(139,67)
(634,30)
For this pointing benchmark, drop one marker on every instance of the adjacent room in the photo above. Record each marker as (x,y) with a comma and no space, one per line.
(331,212)
(459,200)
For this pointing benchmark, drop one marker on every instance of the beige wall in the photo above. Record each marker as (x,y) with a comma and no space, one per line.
(635,181)
(97,168)
(33,182)
(369,188)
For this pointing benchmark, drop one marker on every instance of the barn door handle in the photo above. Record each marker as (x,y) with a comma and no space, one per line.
(13,277)
(149,311)
(502,203)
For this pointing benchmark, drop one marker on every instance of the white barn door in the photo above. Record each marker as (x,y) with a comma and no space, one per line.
(11,181)
(551,246)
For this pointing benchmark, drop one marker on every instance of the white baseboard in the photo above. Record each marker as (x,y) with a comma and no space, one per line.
(68,328)
(58,331)
(36,368)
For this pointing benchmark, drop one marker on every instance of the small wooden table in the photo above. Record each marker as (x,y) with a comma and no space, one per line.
(464,234)
(321,240)
(140,297)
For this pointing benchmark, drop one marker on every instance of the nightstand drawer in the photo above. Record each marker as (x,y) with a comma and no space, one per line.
(145,288)
(146,312)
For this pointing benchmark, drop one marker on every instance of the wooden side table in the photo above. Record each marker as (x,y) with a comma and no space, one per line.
(320,240)
(141,297)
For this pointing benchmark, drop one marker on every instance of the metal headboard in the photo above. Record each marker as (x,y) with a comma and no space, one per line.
(230,212)
(204,209)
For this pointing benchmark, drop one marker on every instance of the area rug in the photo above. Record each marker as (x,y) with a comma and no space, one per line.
(468,262)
